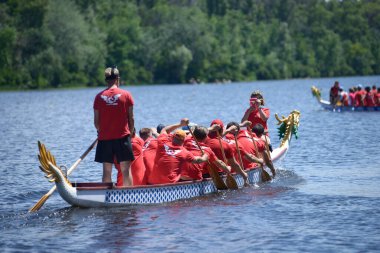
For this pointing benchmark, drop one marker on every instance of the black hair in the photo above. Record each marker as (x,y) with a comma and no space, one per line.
(160,127)
(145,133)
(233,123)
(200,132)
(258,129)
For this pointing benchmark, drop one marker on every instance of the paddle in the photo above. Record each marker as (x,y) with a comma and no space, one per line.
(218,181)
(268,153)
(238,151)
(265,175)
(42,201)
(231,182)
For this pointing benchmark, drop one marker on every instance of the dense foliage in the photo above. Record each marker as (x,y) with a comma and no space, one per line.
(52,43)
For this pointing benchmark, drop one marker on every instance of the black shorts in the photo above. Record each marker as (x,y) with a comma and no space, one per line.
(121,149)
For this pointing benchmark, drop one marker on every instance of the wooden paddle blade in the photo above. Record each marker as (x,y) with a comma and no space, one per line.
(231,182)
(218,181)
(40,203)
(265,175)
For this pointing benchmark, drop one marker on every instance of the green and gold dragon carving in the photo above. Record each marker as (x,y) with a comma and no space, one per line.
(288,126)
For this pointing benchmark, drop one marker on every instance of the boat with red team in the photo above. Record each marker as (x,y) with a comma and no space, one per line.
(339,107)
(90,194)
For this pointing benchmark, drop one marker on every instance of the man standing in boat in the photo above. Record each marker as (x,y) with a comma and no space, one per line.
(114,121)
(334,93)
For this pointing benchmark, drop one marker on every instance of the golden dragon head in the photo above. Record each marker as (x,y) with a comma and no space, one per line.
(288,126)
(45,157)
(316,92)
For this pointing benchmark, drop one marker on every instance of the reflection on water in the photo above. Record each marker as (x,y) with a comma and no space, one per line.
(326,197)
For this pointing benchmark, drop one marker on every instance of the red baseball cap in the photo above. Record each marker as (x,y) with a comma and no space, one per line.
(215,122)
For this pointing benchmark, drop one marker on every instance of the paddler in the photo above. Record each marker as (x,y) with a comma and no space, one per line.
(170,154)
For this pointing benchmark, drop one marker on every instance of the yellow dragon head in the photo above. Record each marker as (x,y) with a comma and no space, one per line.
(288,126)
(316,92)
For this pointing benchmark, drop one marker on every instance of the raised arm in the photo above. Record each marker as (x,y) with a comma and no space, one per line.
(246,123)
(154,132)
(247,113)
(171,128)
(232,129)
(213,128)
(263,116)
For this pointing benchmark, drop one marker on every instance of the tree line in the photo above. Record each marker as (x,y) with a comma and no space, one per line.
(58,43)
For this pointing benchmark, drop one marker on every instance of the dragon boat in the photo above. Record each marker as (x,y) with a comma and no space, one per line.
(109,195)
(339,107)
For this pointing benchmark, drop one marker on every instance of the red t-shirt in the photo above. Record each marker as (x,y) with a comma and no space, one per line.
(229,138)
(247,146)
(229,150)
(149,153)
(168,161)
(374,92)
(213,143)
(137,166)
(195,171)
(242,147)
(254,117)
(369,99)
(334,91)
(113,105)
(378,99)
(344,98)
(359,95)
(352,101)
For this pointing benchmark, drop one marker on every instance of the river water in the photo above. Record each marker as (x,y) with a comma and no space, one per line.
(326,197)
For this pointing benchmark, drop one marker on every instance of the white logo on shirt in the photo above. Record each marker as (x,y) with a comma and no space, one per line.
(171,152)
(229,141)
(112,100)
(250,138)
(146,145)
(195,145)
